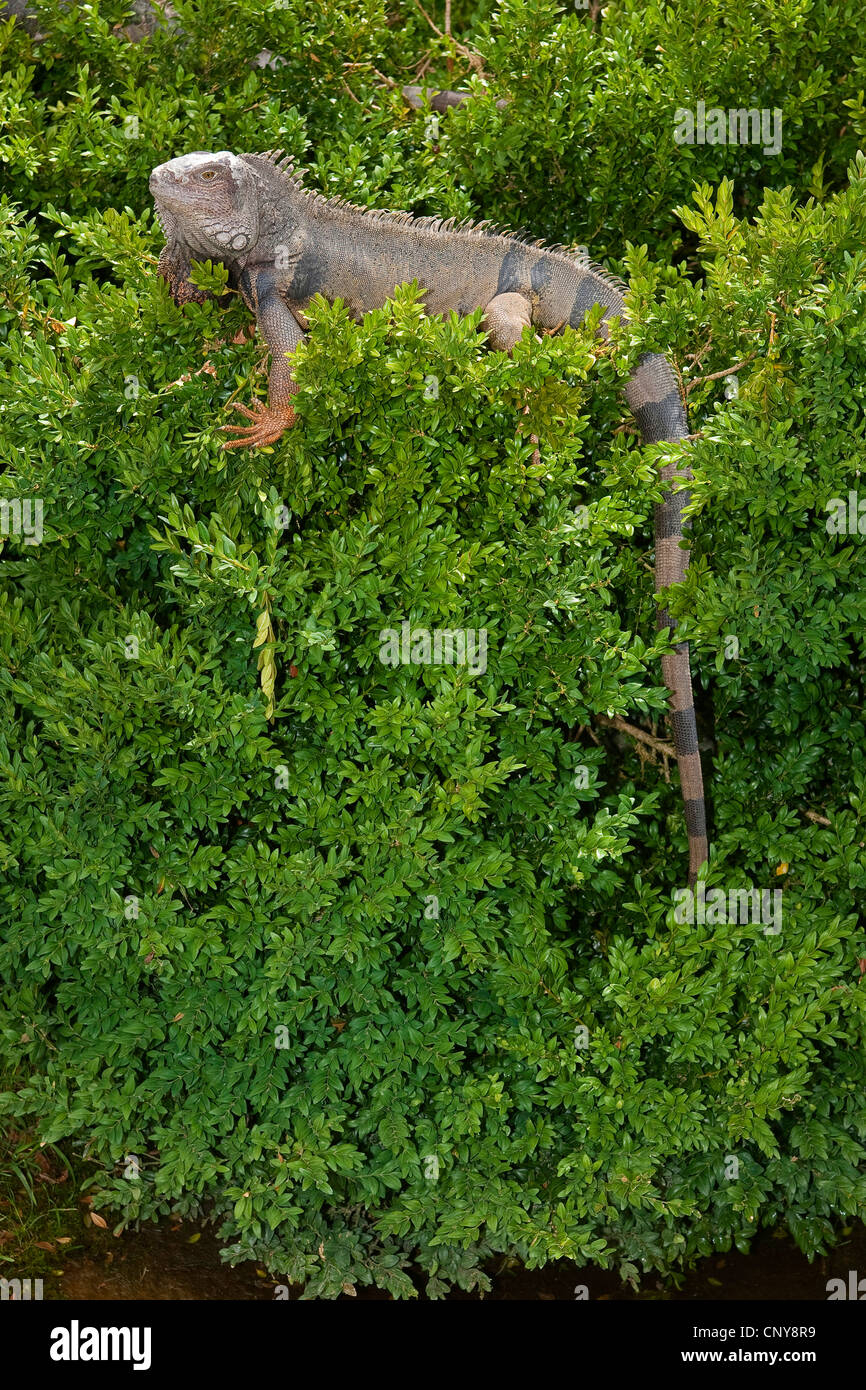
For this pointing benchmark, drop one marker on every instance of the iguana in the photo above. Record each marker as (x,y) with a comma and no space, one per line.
(283,243)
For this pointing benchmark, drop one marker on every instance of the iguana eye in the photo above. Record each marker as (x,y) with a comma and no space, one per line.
(209,174)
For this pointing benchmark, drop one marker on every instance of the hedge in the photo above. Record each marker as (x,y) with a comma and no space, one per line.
(382,964)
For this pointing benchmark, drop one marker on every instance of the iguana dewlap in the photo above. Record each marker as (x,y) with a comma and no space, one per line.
(283,244)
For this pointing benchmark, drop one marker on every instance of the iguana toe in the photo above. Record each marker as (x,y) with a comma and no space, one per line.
(268,423)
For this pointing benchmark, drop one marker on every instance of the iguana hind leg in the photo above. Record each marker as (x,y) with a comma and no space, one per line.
(505,318)
(268,424)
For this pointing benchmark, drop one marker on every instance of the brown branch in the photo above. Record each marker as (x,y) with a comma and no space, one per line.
(696,357)
(346,88)
(533,439)
(658,745)
(584,729)
(714,376)
(472,59)
(359,67)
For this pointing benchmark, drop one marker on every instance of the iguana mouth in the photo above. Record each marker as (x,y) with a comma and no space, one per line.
(168,187)
(159,180)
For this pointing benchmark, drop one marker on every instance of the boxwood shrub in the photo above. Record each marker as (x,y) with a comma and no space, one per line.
(382,963)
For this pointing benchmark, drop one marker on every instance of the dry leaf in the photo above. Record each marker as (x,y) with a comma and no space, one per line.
(98,1220)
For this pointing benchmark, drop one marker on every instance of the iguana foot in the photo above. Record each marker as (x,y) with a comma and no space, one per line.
(268,423)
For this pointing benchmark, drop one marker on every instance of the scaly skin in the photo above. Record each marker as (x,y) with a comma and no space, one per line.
(282,244)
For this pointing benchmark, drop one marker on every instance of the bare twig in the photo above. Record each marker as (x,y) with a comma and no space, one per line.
(658,745)
(578,733)
(472,59)
(714,376)
(346,88)
(696,357)
(361,67)
(533,439)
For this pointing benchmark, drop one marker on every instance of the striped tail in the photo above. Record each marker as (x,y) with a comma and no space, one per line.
(655,399)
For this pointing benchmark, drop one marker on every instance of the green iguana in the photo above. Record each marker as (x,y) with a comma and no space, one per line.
(283,243)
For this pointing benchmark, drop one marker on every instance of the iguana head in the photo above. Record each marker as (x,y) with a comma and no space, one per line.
(208,204)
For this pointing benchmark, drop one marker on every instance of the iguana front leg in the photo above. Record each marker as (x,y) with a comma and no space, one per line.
(174,268)
(282,333)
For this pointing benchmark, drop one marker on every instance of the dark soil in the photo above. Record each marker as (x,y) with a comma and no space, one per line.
(181,1261)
